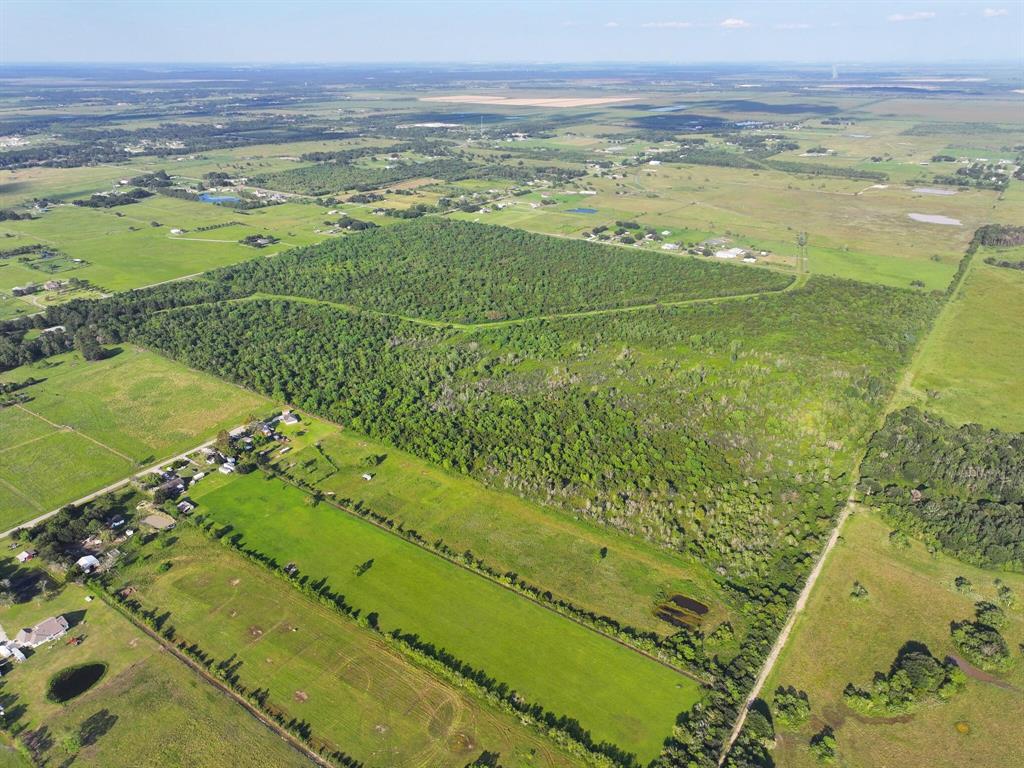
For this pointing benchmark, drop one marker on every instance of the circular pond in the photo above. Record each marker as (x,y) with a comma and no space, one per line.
(74,681)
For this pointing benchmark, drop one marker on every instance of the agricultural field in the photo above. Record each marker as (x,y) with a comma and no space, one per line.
(971,368)
(143,691)
(558,553)
(94,422)
(417,592)
(354,691)
(911,596)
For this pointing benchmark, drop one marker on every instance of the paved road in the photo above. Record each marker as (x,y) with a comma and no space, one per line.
(107,489)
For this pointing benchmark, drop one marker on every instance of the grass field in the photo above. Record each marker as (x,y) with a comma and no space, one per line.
(910,597)
(355,692)
(972,367)
(545,548)
(633,702)
(146,691)
(91,423)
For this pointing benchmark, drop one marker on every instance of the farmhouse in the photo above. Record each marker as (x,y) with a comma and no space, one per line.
(289,418)
(185,506)
(26,555)
(43,632)
(24,290)
(367,476)
(88,563)
(226,468)
(670,247)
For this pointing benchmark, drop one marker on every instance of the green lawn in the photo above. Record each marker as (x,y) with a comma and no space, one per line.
(356,692)
(972,367)
(548,549)
(630,701)
(110,415)
(910,597)
(185,722)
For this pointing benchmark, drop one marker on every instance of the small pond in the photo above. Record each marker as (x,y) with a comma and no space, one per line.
(74,681)
(206,197)
(582,210)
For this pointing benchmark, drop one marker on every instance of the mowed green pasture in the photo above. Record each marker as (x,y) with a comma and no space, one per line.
(547,549)
(185,721)
(911,596)
(91,423)
(615,693)
(972,368)
(355,692)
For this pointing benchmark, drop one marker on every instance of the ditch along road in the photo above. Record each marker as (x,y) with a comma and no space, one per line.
(108,489)
(896,399)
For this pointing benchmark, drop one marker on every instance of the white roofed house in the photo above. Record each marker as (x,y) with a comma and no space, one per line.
(88,563)
(43,632)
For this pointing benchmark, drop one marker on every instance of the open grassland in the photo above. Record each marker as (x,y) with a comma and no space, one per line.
(121,248)
(355,692)
(632,702)
(147,710)
(911,596)
(552,551)
(972,367)
(91,423)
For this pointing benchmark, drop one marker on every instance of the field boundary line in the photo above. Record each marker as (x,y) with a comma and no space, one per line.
(214,682)
(796,611)
(21,494)
(351,512)
(69,428)
(29,442)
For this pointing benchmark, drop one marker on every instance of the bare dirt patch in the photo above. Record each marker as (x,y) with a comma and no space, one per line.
(255,632)
(301,696)
(235,582)
(461,743)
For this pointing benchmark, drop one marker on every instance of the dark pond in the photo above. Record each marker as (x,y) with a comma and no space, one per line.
(582,210)
(74,681)
(681,611)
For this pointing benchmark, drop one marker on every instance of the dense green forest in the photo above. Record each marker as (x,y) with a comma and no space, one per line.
(961,488)
(467,272)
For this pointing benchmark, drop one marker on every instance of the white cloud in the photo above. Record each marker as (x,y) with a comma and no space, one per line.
(667,24)
(915,16)
(991,13)
(611,24)
(792,25)
(734,24)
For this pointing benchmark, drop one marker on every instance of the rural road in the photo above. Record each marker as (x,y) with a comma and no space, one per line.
(107,489)
(780,641)
(902,386)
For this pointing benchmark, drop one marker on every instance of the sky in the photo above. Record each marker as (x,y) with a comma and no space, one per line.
(528,31)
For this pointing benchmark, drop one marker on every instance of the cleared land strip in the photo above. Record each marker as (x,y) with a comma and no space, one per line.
(106,489)
(797,282)
(805,593)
